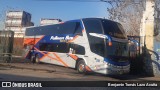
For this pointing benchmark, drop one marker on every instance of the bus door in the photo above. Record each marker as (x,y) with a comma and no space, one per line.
(97,51)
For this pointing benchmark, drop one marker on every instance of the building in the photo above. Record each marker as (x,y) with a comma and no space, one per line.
(47,21)
(17,21)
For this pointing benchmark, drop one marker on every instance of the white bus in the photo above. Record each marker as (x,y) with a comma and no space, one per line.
(88,45)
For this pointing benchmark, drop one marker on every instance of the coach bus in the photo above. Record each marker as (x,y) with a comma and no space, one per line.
(88,45)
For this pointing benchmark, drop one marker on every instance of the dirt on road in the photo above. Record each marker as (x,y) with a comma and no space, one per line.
(52,72)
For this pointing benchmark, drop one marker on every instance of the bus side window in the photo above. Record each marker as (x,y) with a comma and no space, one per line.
(42,46)
(77,49)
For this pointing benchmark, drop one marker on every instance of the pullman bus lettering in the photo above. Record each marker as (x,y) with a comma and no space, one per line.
(56,38)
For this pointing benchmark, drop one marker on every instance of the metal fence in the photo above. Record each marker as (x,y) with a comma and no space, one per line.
(6,45)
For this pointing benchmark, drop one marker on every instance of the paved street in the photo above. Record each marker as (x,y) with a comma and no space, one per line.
(25,71)
(47,72)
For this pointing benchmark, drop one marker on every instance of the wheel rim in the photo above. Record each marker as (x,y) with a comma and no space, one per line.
(81,67)
(37,59)
(32,58)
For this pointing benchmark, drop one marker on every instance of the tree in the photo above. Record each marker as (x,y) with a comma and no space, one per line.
(128,13)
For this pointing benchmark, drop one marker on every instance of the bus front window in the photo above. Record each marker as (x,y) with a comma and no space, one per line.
(97,29)
(93,28)
(118,51)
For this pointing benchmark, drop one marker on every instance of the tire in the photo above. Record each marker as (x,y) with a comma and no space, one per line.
(32,59)
(37,59)
(81,67)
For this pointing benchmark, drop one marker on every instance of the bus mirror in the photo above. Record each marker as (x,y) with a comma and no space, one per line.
(102,36)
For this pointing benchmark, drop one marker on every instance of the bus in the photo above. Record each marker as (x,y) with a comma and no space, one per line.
(88,45)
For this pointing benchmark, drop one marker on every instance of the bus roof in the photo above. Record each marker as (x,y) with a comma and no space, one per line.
(73,21)
(58,28)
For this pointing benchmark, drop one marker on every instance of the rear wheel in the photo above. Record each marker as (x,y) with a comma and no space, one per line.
(81,67)
(32,59)
(37,59)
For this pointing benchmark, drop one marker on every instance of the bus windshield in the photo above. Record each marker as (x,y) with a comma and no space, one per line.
(99,45)
(118,51)
(113,29)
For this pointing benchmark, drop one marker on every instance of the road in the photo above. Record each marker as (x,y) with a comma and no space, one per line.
(26,71)
(47,72)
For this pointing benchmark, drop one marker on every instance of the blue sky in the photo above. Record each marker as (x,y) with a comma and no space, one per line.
(65,10)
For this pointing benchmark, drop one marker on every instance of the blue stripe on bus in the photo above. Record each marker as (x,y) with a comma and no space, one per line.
(39,53)
(116,63)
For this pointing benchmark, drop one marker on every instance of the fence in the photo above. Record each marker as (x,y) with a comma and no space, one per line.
(6,45)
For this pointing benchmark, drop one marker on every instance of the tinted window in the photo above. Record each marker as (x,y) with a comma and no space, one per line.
(78,29)
(113,28)
(62,48)
(54,47)
(65,28)
(77,49)
(93,26)
(96,44)
(117,49)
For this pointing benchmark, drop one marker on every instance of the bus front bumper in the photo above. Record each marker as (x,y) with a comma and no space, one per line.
(110,69)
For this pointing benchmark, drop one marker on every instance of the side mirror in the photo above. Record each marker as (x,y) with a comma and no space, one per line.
(99,35)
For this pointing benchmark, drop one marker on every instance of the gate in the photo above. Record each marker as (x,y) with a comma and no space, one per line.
(136,42)
(135,55)
(6,45)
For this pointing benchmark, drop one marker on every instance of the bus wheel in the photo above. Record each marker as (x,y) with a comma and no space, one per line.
(33,59)
(37,59)
(81,67)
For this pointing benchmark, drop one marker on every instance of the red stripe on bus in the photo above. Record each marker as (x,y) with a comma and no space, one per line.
(60,60)
(73,56)
(39,39)
(57,58)
(32,41)
(83,30)
(73,38)
(87,68)
(45,54)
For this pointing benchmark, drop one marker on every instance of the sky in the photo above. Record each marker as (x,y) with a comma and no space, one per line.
(64,10)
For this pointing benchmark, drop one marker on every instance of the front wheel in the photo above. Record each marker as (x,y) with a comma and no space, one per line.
(81,67)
